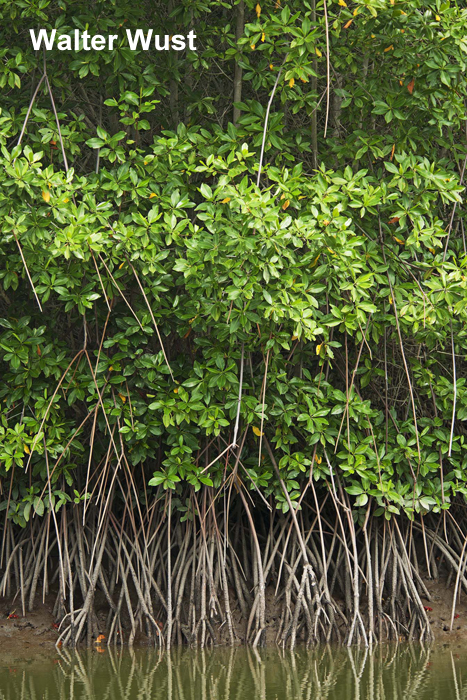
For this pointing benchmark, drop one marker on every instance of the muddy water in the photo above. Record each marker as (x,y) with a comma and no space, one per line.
(335,674)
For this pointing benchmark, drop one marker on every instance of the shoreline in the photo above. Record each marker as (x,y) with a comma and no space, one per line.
(38,632)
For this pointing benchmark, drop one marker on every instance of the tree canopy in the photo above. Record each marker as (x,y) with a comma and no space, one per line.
(247,259)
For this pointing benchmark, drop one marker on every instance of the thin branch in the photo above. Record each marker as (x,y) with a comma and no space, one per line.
(153,319)
(454,212)
(121,293)
(328,69)
(239,401)
(454,372)
(27,271)
(65,162)
(237,418)
(29,109)
(266,119)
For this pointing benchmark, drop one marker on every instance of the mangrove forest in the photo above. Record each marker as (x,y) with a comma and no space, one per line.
(233,305)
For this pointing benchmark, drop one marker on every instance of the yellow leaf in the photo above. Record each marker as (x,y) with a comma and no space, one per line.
(121,265)
(438,18)
(392,2)
(257,431)
(342,3)
(318,459)
(66,200)
(111,369)
(176,390)
(123,398)
(263,36)
(315,260)
(153,194)
(258,10)
(291,82)
(347,24)
(355,12)
(27,450)
(295,337)
(390,48)
(253,46)
(226,200)
(390,300)
(318,53)
(432,250)
(46,196)
(286,204)
(399,241)
(271,66)
(318,348)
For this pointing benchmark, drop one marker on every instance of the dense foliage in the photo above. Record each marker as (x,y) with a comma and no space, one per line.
(179,307)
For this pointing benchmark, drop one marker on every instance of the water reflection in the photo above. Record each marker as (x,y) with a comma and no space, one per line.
(402,673)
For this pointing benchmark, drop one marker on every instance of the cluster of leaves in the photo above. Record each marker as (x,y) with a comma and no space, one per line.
(160,298)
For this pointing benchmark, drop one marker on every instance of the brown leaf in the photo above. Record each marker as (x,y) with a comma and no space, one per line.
(394,220)
(411,85)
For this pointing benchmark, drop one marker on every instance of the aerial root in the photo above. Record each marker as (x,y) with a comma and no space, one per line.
(257,577)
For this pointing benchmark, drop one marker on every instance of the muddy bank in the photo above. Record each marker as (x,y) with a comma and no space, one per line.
(38,631)
(34,632)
